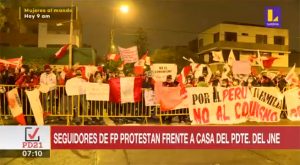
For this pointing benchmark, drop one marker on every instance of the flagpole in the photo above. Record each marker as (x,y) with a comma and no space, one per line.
(70,38)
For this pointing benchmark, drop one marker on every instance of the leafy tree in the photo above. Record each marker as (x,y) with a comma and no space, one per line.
(174,55)
(2,16)
(12,16)
(141,42)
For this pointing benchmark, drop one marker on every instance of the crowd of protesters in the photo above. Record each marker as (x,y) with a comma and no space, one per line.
(25,77)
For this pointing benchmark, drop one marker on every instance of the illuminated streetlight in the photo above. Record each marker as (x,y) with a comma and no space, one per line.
(122,9)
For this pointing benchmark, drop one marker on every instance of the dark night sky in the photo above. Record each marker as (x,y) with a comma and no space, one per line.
(174,22)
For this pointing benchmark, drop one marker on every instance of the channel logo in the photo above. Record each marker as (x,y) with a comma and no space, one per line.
(273,17)
(32,138)
(31,134)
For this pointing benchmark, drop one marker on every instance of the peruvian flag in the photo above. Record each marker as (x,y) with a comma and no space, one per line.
(113,57)
(268,61)
(15,106)
(140,64)
(139,68)
(88,70)
(146,59)
(292,77)
(184,73)
(170,98)
(61,52)
(14,62)
(125,89)
(264,62)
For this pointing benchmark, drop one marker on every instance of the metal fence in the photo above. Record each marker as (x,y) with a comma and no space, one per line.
(56,103)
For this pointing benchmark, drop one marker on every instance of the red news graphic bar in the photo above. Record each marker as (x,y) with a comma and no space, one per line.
(179,137)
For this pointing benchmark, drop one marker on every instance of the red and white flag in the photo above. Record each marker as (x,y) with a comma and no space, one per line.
(268,62)
(13,62)
(113,57)
(61,52)
(218,56)
(146,59)
(15,106)
(184,73)
(292,77)
(139,68)
(140,64)
(129,55)
(264,62)
(169,98)
(88,70)
(125,89)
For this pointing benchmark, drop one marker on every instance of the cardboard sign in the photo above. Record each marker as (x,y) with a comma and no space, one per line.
(161,71)
(292,99)
(219,106)
(97,92)
(149,97)
(129,55)
(266,104)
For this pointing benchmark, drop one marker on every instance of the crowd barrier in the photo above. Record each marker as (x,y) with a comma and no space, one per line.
(56,103)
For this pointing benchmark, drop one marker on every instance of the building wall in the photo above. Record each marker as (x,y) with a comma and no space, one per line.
(208,35)
(46,38)
(252,32)
(250,39)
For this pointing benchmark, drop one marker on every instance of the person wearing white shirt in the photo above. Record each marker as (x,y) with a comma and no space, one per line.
(48,83)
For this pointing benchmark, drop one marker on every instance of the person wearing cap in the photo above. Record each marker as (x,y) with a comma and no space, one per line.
(48,81)
(169,82)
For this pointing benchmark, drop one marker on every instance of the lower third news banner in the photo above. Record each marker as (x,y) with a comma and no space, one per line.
(168,137)
(25,141)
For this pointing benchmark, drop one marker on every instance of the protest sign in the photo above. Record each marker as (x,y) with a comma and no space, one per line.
(219,106)
(75,86)
(129,55)
(266,104)
(241,67)
(149,97)
(161,71)
(97,92)
(36,106)
(292,99)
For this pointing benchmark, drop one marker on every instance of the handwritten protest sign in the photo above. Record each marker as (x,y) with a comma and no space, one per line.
(161,71)
(97,92)
(129,55)
(219,106)
(266,104)
(292,99)
(75,86)
(149,97)
(241,67)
